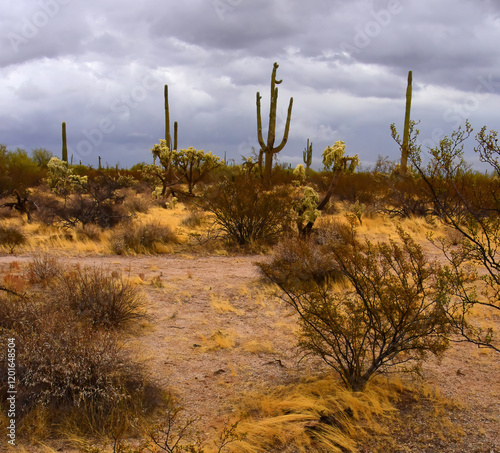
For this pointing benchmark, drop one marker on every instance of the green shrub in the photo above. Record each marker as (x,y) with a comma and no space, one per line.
(385,312)
(246,212)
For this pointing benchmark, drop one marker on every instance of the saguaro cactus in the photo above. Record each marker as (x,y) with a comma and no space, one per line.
(267,148)
(168,137)
(307,156)
(64,145)
(406,132)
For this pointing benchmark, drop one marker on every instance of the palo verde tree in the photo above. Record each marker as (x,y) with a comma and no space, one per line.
(193,165)
(468,203)
(267,147)
(363,307)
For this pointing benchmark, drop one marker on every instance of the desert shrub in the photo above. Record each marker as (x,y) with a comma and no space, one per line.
(406,197)
(134,203)
(384,312)
(104,300)
(246,212)
(11,237)
(468,203)
(43,269)
(69,365)
(141,238)
(362,186)
(194,219)
(89,231)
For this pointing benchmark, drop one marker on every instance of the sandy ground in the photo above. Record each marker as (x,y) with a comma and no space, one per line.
(216,331)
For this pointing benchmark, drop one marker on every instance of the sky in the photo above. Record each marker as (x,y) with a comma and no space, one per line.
(101,66)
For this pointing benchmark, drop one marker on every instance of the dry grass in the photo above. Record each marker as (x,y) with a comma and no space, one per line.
(258,347)
(318,415)
(224,306)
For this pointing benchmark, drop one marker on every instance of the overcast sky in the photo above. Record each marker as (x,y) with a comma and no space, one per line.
(100,66)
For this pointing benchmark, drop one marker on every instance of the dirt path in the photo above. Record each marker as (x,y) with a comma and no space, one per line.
(216,332)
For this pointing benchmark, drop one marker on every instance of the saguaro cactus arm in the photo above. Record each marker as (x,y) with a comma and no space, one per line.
(259,123)
(287,129)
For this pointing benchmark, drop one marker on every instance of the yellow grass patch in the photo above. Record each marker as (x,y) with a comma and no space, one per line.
(220,339)
(223,306)
(256,347)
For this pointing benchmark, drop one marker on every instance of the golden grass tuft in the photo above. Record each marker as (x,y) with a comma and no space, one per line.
(220,339)
(224,306)
(315,415)
(258,347)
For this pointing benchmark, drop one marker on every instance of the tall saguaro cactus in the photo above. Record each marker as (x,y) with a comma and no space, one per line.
(267,148)
(167,119)
(64,145)
(168,137)
(406,132)
(307,156)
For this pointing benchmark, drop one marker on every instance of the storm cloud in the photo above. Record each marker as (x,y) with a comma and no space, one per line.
(100,66)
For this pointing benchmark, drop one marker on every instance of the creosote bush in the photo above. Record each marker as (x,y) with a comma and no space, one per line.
(383,312)
(246,212)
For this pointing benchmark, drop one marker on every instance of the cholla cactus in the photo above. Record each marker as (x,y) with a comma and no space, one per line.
(189,164)
(334,159)
(300,173)
(61,179)
(307,207)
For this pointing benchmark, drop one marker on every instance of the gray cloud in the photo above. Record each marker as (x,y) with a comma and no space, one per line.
(101,66)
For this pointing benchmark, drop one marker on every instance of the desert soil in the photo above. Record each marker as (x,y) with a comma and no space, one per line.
(216,331)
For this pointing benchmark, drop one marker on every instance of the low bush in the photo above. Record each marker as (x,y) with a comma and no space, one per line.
(11,237)
(70,364)
(141,238)
(104,300)
(194,219)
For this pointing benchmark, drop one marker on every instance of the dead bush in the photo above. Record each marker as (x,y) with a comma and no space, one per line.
(69,360)
(141,238)
(43,269)
(134,203)
(104,300)
(90,231)
(194,219)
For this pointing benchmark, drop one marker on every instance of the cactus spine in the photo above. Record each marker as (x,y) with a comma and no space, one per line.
(307,156)
(268,148)
(406,132)
(64,145)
